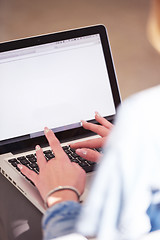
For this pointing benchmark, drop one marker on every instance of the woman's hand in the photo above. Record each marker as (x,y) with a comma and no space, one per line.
(84,149)
(59,171)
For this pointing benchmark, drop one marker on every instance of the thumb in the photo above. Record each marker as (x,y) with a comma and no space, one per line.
(88,154)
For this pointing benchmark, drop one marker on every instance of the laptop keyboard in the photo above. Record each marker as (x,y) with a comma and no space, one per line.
(30,160)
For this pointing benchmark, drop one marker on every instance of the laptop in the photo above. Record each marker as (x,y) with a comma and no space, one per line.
(54,80)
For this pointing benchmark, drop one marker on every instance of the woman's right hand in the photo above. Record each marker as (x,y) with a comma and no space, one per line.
(85,148)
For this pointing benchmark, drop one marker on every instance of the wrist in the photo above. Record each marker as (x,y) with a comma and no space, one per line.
(61,196)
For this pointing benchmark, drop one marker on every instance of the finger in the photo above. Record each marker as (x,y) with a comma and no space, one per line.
(40,157)
(100,130)
(89,154)
(103,121)
(54,143)
(28,173)
(92,143)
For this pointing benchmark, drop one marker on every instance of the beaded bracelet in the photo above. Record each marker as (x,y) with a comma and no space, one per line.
(59,188)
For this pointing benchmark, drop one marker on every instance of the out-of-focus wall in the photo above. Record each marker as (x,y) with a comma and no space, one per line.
(137,63)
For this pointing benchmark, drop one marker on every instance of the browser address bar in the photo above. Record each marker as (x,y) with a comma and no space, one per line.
(39,51)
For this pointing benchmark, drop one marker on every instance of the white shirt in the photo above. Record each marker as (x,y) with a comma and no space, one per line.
(121,192)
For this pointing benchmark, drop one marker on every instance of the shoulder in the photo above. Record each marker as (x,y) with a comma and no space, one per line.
(138,118)
(142,107)
(149,96)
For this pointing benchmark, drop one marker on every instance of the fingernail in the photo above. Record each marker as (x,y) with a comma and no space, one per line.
(97,113)
(38,148)
(83,121)
(46,130)
(81,152)
(19,166)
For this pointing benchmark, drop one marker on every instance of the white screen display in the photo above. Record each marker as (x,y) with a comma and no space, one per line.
(53,85)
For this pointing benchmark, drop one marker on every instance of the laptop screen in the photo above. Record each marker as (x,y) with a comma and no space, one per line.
(54,84)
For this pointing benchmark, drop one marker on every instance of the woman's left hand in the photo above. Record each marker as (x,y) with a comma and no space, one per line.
(59,171)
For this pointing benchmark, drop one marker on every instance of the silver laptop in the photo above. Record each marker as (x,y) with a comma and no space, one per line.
(53,80)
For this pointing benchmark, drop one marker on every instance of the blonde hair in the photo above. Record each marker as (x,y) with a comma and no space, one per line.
(153,26)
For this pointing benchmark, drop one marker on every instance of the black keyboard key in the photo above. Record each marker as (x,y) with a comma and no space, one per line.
(47,152)
(65,148)
(88,168)
(80,159)
(33,165)
(14,164)
(100,150)
(70,157)
(91,163)
(75,155)
(83,164)
(21,158)
(33,160)
(50,155)
(12,160)
(37,169)
(30,156)
(73,150)
(75,160)
(18,169)
(67,151)
(24,161)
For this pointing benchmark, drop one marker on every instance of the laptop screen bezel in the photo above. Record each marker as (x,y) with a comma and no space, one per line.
(79,132)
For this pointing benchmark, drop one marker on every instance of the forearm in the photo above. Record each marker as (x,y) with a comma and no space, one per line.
(60,219)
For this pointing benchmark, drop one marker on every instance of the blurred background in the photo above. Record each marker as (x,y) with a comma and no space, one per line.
(137,63)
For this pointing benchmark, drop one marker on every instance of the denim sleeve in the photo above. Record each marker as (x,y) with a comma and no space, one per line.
(60,219)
